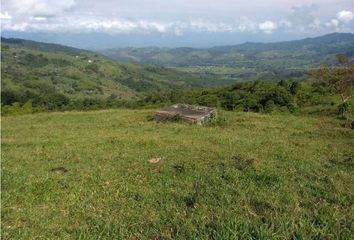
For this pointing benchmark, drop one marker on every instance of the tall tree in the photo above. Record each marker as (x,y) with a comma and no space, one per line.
(339,79)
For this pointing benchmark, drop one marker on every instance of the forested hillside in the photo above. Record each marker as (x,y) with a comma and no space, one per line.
(53,75)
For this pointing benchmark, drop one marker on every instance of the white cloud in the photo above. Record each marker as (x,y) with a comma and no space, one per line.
(41,8)
(89,25)
(246,25)
(40,18)
(67,16)
(345,16)
(202,25)
(267,27)
(334,24)
(316,25)
(5,16)
(125,16)
(122,25)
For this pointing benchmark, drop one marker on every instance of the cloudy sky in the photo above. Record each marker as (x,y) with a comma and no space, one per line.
(178,17)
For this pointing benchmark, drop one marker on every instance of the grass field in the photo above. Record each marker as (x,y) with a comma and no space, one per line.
(87,175)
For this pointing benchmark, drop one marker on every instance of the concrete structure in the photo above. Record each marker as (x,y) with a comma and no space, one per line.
(187,113)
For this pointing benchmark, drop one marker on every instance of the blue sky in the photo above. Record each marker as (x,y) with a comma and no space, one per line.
(259,19)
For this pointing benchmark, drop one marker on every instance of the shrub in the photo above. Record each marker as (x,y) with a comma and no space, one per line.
(343,108)
(208,100)
(269,106)
(17,109)
(294,88)
(9,96)
(228,101)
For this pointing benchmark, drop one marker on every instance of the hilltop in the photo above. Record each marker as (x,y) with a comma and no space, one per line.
(87,175)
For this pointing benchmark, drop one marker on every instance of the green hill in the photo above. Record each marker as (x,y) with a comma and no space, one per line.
(52,73)
(87,175)
(254,61)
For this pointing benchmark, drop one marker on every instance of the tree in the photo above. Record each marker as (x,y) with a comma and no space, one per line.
(208,100)
(338,79)
(228,101)
(294,88)
(269,106)
(9,96)
(342,59)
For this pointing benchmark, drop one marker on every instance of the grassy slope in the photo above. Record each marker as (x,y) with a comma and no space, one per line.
(259,176)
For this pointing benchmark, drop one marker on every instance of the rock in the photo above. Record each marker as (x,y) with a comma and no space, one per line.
(154,160)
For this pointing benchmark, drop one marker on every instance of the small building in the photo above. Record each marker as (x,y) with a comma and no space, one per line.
(187,113)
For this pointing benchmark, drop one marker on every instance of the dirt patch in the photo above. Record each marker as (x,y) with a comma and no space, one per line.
(59,170)
(242,163)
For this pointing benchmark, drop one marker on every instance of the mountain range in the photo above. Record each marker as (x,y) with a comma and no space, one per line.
(41,71)
(303,51)
(247,61)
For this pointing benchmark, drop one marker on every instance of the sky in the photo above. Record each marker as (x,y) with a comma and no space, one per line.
(178,19)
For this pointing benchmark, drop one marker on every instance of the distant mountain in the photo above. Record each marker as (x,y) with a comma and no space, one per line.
(99,40)
(266,61)
(305,50)
(45,47)
(40,72)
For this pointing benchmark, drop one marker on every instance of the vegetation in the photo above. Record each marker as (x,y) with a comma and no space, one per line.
(248,61)
(52,76)
(259,96)
(266,97)
(340,80)
(87,175)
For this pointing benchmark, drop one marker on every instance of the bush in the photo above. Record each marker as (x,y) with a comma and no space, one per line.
(92,67)
(208,100)
(35,60)
(343,108)
(294,88)
(17,109)
(269,107)
(9,96)
(228,101)
(149,118)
